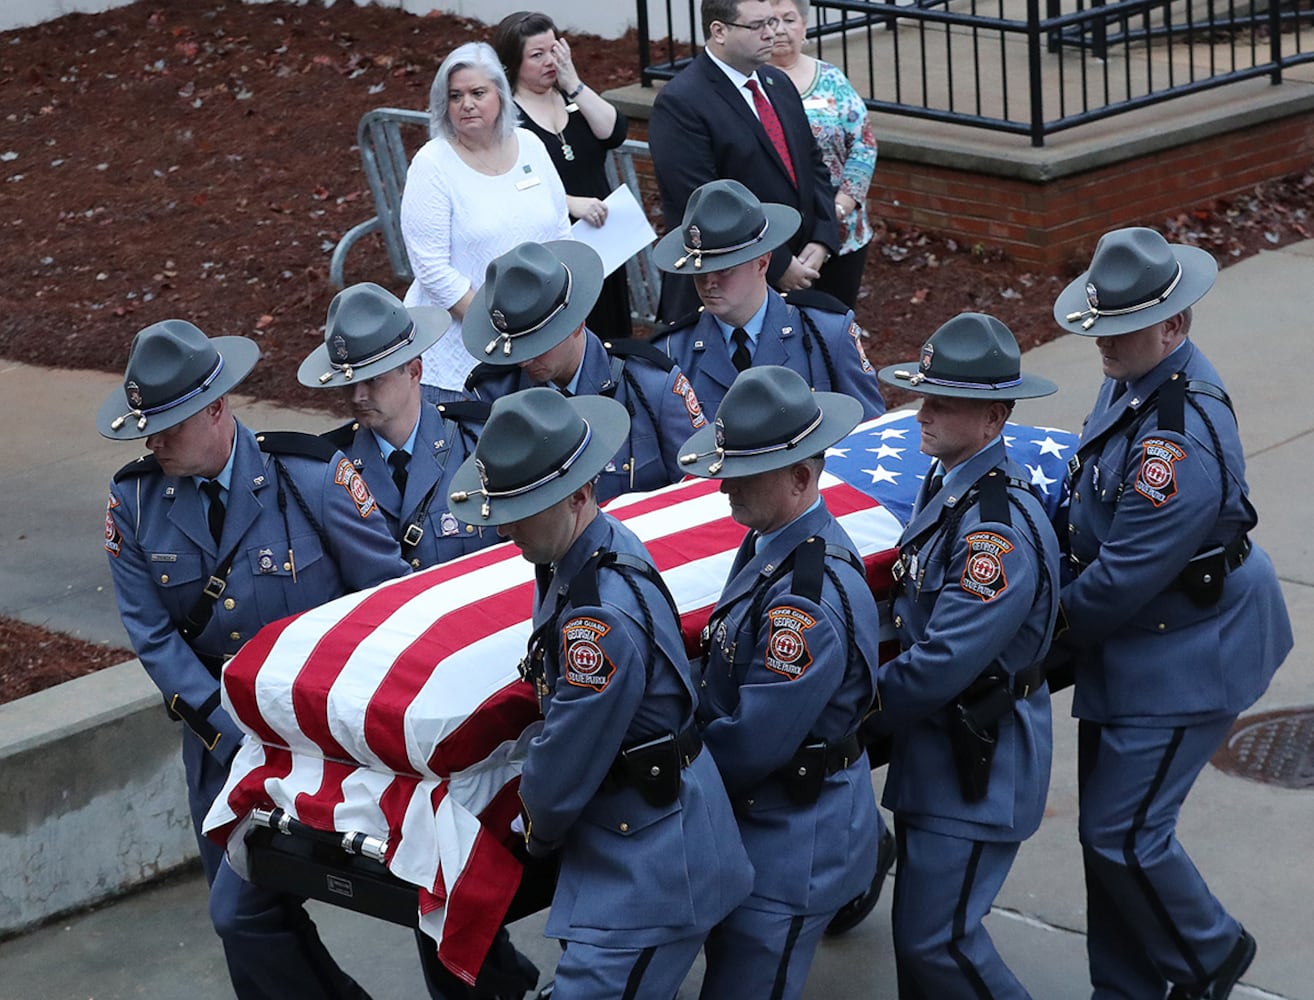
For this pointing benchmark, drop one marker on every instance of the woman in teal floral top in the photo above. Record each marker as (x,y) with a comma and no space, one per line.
(839,122)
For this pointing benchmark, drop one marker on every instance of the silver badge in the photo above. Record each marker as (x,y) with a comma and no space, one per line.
(1092,295)
(928,353)
(448,524)
(133,391)
(695,237)
(499,319)
(340,347)
(265,560)
(719,431)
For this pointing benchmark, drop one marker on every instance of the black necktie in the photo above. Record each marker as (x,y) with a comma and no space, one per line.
(214,489)
(933,487)
(741,359)
(398,460)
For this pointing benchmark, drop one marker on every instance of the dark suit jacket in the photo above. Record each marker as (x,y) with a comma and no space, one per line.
(701,129)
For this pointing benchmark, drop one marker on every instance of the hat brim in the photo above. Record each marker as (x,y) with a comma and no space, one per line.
(240,355)
(1199,271)
(1031,386)
(840,413)
(586,275)
(317,371)
(610,424)
(782,223)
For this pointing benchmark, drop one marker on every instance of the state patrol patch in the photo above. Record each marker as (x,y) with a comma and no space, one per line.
(584,663)
(349,479)
(984,573)
(787,650)
(1157,480)
(857,333)
(683,389)
(113,539)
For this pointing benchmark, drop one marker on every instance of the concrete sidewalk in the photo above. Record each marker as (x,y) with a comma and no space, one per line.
(1253,841)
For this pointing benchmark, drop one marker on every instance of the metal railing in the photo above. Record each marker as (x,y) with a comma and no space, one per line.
(1005,66)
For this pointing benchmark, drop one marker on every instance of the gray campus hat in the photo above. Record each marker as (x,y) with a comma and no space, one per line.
(174,371)
(770,419)
(369,332)
(533,297)
(1136,279)
(724,224)
(537,448)
(972,356)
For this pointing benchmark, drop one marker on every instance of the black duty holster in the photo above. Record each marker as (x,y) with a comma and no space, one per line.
(974,730)
(653,767)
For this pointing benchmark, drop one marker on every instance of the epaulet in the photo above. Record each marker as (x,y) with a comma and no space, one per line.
(812,298)
(661,329)
(467,411)
(296,443)
(483,372)
(630,347)
(144,466)
(341,437)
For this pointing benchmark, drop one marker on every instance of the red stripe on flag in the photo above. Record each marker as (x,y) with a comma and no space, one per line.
(393,803)
(249,793)
(476,904)
(496,720)
(240,675)
(316,808)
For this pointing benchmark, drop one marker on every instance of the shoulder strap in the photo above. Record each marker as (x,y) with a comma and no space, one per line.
(143,466)
(814,298)
(296,443)
(629,347)
(467,410)
(482,372)
(341,437)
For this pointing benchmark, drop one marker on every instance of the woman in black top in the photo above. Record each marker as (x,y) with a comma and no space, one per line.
(578,128)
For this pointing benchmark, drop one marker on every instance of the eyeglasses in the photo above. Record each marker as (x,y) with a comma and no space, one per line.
(757,27)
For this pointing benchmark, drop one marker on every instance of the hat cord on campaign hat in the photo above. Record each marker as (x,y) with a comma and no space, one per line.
(1094,312)
(347,368)
(722,452)
(505,335)
(489,495)
(917,378)
(698,252)
(142,413)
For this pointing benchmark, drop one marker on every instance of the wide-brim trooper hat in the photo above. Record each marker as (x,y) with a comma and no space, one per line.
(174,371)
(769,419)
(724,225)
(369,332)
(1136,279)
(537,448)
(973,356)
(533,297)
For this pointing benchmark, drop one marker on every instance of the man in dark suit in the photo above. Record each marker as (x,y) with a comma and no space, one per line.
(717,119)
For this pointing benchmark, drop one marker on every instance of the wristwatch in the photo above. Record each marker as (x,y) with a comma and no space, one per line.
(576,92)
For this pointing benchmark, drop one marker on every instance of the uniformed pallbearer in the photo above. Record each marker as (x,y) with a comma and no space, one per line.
(526,324)
(1176,618)
(975,599)
(788,675)
(218,532)
(406,448)
(617,781)
(725,242)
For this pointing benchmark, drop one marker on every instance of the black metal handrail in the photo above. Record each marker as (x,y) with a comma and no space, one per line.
(1002,65)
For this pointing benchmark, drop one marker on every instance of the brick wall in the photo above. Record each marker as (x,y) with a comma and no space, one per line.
(1055,223)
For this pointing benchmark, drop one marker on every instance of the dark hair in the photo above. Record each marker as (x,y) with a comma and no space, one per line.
(509,38)
(717,10)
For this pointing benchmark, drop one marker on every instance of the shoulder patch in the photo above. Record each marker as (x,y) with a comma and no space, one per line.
(984,573)
(113,539)
(858,333)
(296,443)
(143,466)
(585,663)
(1157,478)
(353,482)
(682,388)
(787,650)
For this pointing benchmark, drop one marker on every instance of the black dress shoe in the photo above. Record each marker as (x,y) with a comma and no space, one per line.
(1219,985)
(856,909)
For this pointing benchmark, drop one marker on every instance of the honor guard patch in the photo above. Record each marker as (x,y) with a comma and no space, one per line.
(787,650)
(351,480)
(1157,480)
(685,391)
(857,333)
(984,573)
(113,540)
(584,663)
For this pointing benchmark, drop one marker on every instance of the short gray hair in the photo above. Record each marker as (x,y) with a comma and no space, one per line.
(471,55)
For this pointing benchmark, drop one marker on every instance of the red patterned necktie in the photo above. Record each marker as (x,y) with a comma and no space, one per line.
(767,114)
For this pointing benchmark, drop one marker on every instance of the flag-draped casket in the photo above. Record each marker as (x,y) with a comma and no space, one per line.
(398,712)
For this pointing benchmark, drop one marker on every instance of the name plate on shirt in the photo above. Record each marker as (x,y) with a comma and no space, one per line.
(815,103)
(527,183)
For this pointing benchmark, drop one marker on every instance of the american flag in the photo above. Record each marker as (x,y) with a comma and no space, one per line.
(398,712)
